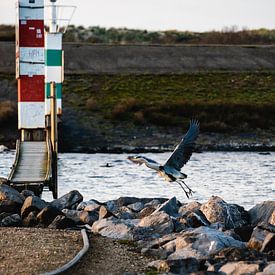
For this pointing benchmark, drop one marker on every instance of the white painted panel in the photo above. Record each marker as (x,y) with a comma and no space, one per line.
(31,69)
(32,3)
(32,54)
(53,41)
(31,115)
(48,106)
(31,14)
(53,73)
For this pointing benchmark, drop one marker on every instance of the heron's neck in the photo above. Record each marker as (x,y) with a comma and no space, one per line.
(152,166)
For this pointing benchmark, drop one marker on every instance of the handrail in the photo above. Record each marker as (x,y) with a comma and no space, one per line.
(18,143)
(49,161)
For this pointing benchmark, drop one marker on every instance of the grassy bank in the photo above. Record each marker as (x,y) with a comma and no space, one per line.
(112,111)
(223,102)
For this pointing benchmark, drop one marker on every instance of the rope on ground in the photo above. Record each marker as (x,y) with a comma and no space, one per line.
(76,259)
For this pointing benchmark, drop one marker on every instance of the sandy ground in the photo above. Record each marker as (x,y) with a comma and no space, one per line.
(38,250)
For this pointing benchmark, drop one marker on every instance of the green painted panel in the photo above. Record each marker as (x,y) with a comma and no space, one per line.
(53,57)
(58,87)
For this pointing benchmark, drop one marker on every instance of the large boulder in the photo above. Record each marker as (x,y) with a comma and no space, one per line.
(47,215)
(88,205)
(30,220)
(202,242)
(114,228)
(136,207)
(12,220)
(8,193)
(68,201)
(262,213)
(81,217)
(26,193)
(61,222)
(194,218)
(125,213)
(32,203)
(240,268)
(216,210)
(191,206)
(269,269)
(180,266)
(263,238)
(159,223)
(170,207)
(105,213)
(9,206)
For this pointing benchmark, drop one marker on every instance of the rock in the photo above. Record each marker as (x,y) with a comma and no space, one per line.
(269,269)
(105,213)
(47,215)
(180,266)
(160,223)
(170,207)
(262,213)
(194,219)
(89,205)
(68,201)
(88,217)
(231,215)
(136,207)
(81,217)
(179,226)
(32,204)
(239,268)
(201,242)
(61,222)
(244,232)
(73,215)
(147,211)
(9,206)
(3,148)
(4,215)
(114,228)
(30,220)
(269,243)
(111,206)
(27,193)
(125,213)
(153,203)
(12,220)
(191,206)
(272,218)
(262,240)
(8,193)
(3,180)
(160,247)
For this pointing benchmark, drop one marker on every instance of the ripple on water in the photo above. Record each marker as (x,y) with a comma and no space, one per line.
(245,178)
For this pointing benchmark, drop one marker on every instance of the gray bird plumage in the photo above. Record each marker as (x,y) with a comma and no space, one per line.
(171,170)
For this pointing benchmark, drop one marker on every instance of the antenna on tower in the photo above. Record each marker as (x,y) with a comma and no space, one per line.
(58,17)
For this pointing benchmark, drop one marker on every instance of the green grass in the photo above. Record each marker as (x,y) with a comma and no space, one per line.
(221,101)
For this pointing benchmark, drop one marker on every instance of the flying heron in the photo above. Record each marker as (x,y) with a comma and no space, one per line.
(171,170)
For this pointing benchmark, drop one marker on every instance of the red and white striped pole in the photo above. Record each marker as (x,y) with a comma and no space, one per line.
(30,64)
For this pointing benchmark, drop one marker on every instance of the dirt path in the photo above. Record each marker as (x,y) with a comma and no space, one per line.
(111,257)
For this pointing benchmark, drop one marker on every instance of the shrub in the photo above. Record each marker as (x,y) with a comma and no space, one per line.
(8,112)
(92,104)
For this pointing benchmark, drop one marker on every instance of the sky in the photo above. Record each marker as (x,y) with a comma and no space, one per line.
(192,15)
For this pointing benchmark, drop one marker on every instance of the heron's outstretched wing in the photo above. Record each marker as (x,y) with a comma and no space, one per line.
(141,159)
(184,149)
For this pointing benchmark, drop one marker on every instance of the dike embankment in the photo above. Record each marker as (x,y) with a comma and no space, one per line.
(154,59)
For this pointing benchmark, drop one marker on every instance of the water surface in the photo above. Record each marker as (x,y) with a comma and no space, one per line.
(245,178)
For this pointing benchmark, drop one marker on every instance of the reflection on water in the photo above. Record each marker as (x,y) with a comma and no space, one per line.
(245,178)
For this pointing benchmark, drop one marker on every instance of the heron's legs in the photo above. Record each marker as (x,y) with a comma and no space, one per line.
(187,193)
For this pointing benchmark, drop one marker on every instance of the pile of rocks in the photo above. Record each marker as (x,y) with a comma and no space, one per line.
(214,236)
